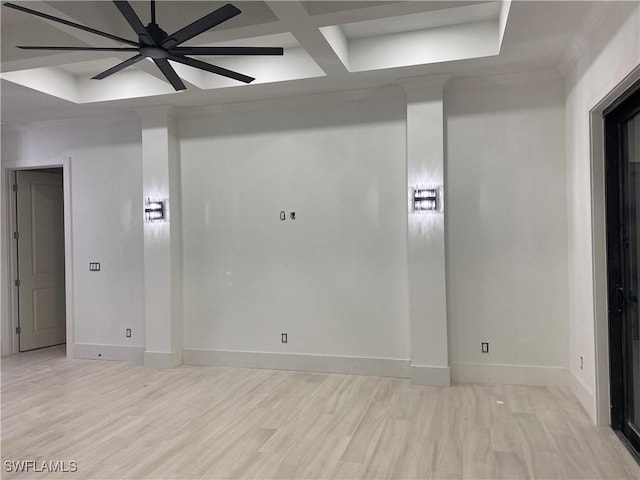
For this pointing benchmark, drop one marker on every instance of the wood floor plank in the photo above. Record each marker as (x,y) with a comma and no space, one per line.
(124,421)
(478,458)
(390,447)
(510,466)
(603,447)
(350,471)
(448,434)
(541,457)
(351,403)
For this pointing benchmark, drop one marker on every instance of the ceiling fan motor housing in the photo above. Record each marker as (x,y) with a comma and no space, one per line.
(156,34)
(154,52)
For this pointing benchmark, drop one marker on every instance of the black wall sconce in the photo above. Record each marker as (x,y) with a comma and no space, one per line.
(154,210)
(425,199)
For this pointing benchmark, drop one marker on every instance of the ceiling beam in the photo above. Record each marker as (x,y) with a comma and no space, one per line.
(394,9)
(295,17)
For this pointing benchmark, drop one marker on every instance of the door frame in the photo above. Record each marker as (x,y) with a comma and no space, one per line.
(618,265)
(10,343)
(599,248)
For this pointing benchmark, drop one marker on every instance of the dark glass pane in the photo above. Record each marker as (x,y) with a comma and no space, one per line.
(631,152)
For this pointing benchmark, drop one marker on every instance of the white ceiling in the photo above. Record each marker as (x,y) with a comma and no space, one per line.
(329,46)
(422,21)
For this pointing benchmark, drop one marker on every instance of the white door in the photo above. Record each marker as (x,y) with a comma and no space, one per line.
(41,296)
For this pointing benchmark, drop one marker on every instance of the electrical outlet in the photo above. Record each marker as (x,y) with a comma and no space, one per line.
(283,337)
(94,266)
(127,333)
(485,347)
(581,363)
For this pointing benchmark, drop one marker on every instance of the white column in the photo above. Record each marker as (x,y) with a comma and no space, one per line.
(426,242)
(162,240)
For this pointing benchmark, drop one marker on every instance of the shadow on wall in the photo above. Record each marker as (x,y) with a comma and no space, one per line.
(300,113)
(498,98)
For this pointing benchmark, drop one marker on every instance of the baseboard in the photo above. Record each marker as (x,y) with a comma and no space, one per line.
(162,359)
(120,353)
(383,367)
(430,376)
(509,374)
(583,395)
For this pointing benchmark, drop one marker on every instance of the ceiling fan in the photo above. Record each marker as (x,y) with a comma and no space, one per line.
(154,43)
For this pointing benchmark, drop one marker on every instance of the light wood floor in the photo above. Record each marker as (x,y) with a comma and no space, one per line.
(120,420)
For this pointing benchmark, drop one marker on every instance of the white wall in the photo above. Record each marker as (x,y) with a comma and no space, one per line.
(506,225)
(335,279)
(106,193)
(609,57)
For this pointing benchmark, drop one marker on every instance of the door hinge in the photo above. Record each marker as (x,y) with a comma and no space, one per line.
(17,283)
(18,330)
(15,187)
(16,235)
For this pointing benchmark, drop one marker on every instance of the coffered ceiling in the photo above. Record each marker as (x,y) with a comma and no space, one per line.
(329,46)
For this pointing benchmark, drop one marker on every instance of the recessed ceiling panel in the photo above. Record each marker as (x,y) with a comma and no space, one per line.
(321,7)
(296,63)
(99,15)
(422,21)
(285,40)
(458,42)
(133,83)
(444,35)
(10,17)
(171,16)
(73,82)
(32,33)
(90,68)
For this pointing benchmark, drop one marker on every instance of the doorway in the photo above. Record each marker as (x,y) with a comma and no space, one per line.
(622,158)
(40,258)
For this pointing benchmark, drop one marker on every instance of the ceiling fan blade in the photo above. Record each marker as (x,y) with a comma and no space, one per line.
(117,68)
(70,24)
(199,26)
(227,51)
(79,49)
(170,73)
(132,18)
(192,62)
